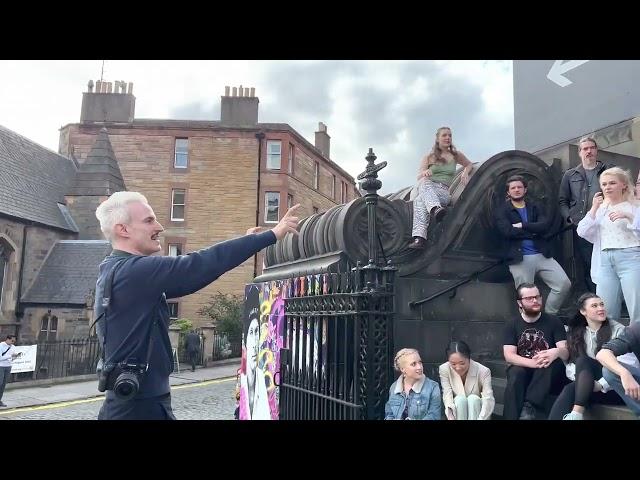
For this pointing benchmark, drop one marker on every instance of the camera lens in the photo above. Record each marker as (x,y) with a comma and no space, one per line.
(126,386)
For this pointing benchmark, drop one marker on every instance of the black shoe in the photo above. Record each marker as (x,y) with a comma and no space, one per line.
(2,404)
(418,243)
(438,213)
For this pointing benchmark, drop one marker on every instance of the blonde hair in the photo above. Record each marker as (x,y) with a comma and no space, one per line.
(115,210)
(625,177)
(401,353)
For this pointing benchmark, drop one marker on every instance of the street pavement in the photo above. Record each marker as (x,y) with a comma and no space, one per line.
(206,394)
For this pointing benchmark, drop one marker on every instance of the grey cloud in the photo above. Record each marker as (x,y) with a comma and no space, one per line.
(300,95)
(195,111)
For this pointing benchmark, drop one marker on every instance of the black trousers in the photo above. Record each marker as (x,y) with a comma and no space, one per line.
(581,391)
(582,249)
(533,385)
(153,408)
(193,358)
(5,373)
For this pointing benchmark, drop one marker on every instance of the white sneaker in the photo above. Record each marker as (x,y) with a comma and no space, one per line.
(573,416)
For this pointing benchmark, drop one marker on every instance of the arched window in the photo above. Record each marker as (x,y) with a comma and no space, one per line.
(5,254)
(48,327)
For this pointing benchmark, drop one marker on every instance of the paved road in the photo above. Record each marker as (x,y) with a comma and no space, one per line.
(211,400)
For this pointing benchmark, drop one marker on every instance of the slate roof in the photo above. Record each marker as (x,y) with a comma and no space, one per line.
(33,180)
(100,174)
(69,272)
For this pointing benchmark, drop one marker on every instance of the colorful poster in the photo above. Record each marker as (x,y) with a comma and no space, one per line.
(262,340)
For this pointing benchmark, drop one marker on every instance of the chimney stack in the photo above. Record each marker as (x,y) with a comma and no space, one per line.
(241,108)
(109,102)
(323,140)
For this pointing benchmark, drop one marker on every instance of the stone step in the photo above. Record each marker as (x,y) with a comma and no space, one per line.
(498,367)
(609,412)
(594,412)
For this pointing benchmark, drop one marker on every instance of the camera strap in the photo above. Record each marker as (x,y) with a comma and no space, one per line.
(106,300)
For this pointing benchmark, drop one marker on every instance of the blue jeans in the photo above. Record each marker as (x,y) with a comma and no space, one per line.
(615,382)
(620,271)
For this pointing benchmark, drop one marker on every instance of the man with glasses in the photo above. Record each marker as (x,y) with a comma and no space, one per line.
(535,345)
(524,224)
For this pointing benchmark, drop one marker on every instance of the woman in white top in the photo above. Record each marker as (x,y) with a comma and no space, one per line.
(589,329)
(613,226)
(466,385)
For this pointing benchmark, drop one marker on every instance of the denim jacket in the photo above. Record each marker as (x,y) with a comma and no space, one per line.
(423,399)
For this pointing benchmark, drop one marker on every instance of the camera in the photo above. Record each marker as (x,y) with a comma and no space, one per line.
(123,378)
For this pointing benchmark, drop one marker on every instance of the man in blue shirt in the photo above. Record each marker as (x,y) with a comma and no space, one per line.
(524,224)
(135,327)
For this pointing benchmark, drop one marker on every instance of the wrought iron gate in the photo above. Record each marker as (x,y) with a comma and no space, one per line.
(336,357)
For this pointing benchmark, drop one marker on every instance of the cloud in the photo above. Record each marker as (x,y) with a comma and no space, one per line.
(393,107)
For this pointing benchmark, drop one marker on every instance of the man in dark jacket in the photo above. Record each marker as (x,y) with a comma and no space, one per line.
(523,225)
(134,329)
(578,186)
(192,346)
(623,378)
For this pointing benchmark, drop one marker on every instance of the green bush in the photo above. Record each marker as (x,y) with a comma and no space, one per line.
(225,311)
(185,325)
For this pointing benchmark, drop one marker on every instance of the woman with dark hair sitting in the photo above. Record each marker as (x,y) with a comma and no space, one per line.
(588,331)
(466,385)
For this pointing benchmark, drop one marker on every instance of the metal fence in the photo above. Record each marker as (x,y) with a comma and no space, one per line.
(223,346)
(336,360)
(335,364)
(226,347)
(63,358)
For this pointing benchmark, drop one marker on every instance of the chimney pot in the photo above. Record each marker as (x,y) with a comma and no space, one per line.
(253,92)
(226,91)
(109,87)
(235,92)
(130,88)
(240,91)
(90,86)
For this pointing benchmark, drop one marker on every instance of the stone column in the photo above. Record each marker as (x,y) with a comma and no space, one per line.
(208,330)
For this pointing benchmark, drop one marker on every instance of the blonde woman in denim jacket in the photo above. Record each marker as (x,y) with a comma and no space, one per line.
(412,396)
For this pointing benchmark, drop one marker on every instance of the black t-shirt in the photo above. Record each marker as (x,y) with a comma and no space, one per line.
(531,338)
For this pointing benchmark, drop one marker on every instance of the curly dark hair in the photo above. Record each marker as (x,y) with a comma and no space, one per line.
(577,326)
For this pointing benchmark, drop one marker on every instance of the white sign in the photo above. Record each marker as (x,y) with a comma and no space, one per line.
(26,362)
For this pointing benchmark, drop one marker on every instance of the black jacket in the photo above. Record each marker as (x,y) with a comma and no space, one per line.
(192,342)
(573,193)
(138,309)
(534,229)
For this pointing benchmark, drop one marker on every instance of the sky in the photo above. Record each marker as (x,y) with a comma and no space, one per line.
(393,107)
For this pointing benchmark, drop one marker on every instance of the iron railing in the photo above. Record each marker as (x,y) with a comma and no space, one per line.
(63,358)
(336,358)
